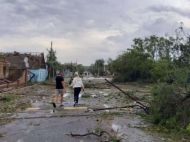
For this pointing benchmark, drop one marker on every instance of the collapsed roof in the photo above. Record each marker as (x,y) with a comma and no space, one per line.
(18,60)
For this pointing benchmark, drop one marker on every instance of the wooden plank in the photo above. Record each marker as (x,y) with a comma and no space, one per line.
(74,108)
(34,109)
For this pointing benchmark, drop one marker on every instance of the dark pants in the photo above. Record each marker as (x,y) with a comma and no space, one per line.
(76,94)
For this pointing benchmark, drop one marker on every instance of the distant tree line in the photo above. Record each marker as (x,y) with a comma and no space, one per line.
(152,59)
(98,68)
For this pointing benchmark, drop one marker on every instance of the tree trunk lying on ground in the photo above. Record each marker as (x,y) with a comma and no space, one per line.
(90,133)
(110,108)
(98,134)
(141,105)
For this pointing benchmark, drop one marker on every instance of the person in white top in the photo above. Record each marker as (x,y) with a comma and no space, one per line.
(77,85)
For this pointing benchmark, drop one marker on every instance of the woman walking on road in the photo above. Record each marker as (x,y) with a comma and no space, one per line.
(77,86)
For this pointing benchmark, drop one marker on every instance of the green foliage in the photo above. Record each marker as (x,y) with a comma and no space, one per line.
(132,66)
(52,62)
(115,139)
(73,67)
(9,103)
(160,70)
(153,59)
(1,56)
(51,57)
(179,76)
(188,128)
(69,66)
(156,47)
(98,67)
(184,58)
(80,68)
(168,108)
(6,98)
(165,61)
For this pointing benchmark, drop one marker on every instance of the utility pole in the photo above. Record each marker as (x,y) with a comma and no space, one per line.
(52,62)
(98,69)
(51,44)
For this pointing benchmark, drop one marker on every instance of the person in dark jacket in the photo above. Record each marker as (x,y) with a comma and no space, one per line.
(60,87)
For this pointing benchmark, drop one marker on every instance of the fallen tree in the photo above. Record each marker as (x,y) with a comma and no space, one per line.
(120,107)
(141,105)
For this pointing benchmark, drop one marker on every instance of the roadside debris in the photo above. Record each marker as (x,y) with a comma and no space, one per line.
(106,104)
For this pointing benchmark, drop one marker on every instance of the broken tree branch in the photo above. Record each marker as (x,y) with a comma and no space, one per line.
(90,133)
(145,108)
(110,108)
(97,134)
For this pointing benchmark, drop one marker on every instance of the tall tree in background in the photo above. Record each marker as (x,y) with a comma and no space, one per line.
(156,47)
(109,66)
(183,47)
(98,67)
(52,61)
(80,68)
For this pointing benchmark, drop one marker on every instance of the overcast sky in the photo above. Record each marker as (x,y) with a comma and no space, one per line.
(86,30)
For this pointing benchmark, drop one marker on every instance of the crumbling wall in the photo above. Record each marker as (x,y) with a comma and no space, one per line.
(15,74)
(1,70)
(21,81)
(13,69)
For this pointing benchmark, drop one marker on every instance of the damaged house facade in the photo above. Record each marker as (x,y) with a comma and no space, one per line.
(17,69)
(3,68)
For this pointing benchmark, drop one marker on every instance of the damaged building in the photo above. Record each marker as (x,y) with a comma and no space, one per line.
(18,68)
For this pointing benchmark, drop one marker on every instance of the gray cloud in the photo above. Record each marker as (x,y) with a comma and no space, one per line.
(180,11)
(55,17)
(160,26)
(101,28)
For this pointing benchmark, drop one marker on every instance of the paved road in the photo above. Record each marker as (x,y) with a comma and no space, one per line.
(58,129)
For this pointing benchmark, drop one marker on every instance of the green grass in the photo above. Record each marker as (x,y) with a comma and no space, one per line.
(11,103)
(169,134)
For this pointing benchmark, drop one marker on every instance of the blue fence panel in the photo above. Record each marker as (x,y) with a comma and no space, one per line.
(39,75)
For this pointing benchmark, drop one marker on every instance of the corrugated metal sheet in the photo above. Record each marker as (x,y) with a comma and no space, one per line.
(40,75)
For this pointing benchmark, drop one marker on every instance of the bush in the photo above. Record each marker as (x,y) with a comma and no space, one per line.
(188,128)
(132,66)
(179,76)
(160,70)
(169,108)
